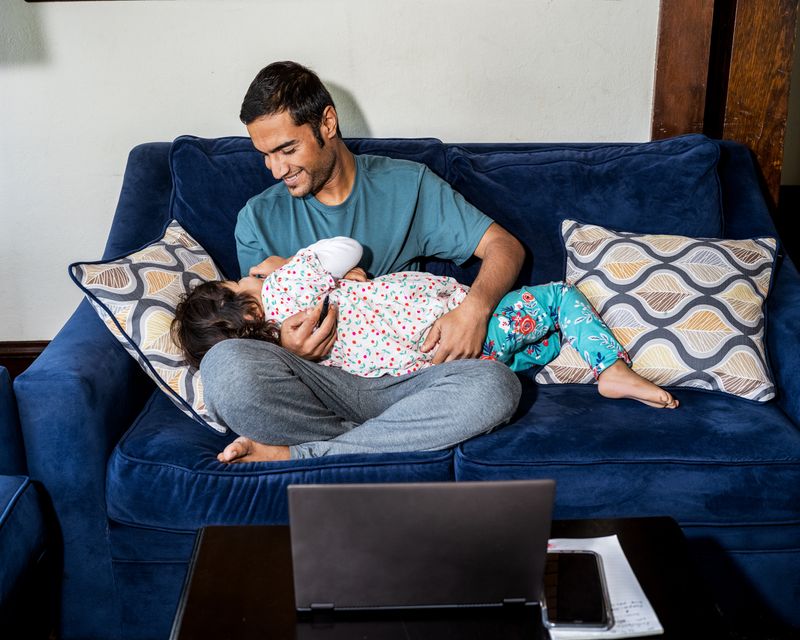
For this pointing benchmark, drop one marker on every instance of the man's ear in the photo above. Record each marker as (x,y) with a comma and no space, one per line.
(330,123)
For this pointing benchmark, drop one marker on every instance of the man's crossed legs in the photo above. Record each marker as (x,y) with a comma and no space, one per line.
(282,406)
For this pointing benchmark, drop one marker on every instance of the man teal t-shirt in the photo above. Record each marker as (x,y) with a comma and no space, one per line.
(399,211)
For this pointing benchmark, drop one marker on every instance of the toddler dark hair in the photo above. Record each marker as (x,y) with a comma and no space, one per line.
(211,313)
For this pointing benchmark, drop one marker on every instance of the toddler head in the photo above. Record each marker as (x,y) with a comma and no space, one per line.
(218,310)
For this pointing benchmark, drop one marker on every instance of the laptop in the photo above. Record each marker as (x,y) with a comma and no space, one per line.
(419,545)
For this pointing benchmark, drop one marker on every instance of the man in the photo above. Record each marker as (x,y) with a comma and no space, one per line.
(281,403)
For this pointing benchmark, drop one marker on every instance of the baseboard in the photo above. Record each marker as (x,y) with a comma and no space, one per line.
(18,355)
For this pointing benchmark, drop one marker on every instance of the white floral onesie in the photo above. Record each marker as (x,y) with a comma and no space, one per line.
(382,322)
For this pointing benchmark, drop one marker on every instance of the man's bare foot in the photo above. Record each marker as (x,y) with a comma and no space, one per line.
(618,381)
(246,450)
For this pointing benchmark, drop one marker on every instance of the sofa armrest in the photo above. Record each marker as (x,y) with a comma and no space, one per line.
(79,395)
(75,401)
(783,337)
(12,453)
(746,212)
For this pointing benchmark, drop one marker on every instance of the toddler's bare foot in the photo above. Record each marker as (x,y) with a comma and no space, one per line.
(618,381)
(246,450)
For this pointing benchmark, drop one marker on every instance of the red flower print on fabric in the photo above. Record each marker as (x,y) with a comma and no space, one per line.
(524,324)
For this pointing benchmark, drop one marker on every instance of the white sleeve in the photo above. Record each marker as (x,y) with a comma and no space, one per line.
(337,255)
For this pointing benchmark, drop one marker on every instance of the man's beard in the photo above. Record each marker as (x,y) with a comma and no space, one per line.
(321,176)
(318,177)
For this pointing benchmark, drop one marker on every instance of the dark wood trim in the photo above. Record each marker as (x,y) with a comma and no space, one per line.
(719,64)
(16,356)
(757,101)
(684,38)
(723,68)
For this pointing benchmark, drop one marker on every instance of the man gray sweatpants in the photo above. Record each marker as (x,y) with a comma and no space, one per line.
(270,395)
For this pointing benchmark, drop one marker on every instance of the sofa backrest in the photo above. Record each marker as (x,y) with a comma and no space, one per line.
(668,186)
(213,179)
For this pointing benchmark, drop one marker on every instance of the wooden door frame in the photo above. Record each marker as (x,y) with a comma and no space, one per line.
(723,68)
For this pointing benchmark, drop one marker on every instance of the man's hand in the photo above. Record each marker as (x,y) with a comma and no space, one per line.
(458,334)
(357,274)
(299,336)
(263,269)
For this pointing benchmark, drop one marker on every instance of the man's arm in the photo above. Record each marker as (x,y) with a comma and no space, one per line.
(461,332)
(249,251)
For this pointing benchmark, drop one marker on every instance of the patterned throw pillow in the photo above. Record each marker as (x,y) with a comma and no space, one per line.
(690,312)
(136,295)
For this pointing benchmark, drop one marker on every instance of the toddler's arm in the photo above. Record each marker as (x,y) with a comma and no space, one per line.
(308,276)
(337,255)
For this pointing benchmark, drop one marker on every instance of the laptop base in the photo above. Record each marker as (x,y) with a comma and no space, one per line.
(511,622)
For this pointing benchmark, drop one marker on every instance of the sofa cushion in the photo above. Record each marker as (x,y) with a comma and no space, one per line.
(136,295)
(714,460)
(690,312)
(213,179)
(668,186)
(164,473)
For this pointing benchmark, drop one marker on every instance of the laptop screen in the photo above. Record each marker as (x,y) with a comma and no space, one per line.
(407,545)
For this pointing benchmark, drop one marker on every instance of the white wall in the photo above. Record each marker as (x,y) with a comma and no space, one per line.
(81,83)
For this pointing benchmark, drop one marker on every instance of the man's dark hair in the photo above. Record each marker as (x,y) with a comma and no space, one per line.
(211,313)
(288,86)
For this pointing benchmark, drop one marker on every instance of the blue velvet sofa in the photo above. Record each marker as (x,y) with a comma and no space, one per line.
(25,548)
(131,478)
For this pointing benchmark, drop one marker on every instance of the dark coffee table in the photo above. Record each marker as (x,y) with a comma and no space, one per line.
(239,586)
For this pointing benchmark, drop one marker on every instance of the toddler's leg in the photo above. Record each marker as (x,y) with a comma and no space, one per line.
(618,381)
(537,354)
(593,340)
(521,332)
(584,330)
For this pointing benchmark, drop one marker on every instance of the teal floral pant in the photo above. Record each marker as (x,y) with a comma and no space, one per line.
(528,325)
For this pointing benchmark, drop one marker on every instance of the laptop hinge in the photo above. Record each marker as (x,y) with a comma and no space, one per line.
(322,606)
(513,601)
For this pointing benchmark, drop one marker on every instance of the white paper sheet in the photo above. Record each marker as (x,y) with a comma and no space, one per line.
(633,614)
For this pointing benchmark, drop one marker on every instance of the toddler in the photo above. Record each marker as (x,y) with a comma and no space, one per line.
(383,322)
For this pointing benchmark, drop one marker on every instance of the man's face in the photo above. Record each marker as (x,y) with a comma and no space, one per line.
(293,154)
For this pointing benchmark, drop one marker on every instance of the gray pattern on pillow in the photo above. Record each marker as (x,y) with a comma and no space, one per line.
(689,311)
(136,296)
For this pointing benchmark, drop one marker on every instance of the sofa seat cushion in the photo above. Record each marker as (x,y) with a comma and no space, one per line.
(22,532)
(214,178)
(715,460)
(667,186)
(164,474)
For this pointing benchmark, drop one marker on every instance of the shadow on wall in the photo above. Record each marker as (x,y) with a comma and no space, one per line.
(351,118)
(21,39)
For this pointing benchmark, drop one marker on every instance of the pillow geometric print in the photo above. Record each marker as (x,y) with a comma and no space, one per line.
(136,295)
(690,312)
